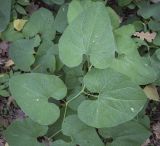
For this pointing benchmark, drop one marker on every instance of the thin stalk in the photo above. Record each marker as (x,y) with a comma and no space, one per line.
(65,110)
(54,134)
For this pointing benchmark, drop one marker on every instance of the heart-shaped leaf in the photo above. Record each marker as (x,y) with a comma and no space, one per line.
(21,52)
(80,133)
(41,21)
(24,133)
(88,35)
(118,100)
(31,92)
(129,62)
(76,7)
(132,133)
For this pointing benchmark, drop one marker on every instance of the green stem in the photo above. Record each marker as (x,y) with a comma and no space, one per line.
(54,134)
(65,110)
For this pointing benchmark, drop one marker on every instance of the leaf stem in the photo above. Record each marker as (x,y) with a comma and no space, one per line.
(65,110)
(54,134)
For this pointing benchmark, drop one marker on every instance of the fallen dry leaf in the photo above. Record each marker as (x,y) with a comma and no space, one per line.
(156,130)
(9,63)
(151,92)
(19,24)
(149,37)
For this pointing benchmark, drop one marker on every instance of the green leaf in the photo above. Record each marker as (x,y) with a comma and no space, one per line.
(76,7)
(154,25)
(80,133)
(11,35)
(156,41)
(119,100)
(23,2)
(124,2)
(4,93)
(61,19)
(24,133)
(73,76)
(31,92)
(57,126)
(51,2)
(62,143)
(5,9)
(45,57)
(129,62)
(115,19)
(147,10)
(131,133)
(75,103)
(20,10)
(158,53)
(21,52)
(40,22)
(155,61)
(88,35)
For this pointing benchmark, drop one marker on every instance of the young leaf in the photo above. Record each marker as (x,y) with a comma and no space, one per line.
(118,100)
(31,92)
(41,21)
(21,52)
(61,19)
(5,8)
(20,9)
(24,133)
(88,35)
(80,133)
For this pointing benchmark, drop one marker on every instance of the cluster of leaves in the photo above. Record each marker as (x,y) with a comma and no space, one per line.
(79,69)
